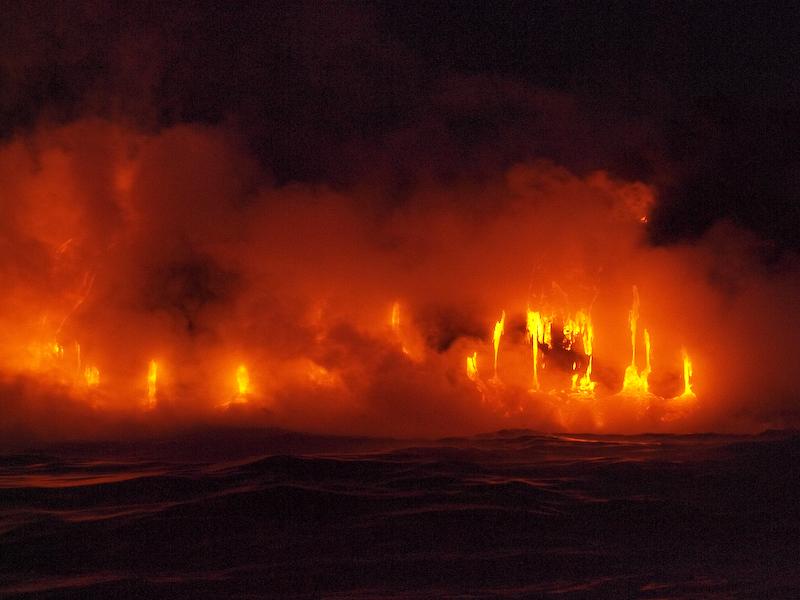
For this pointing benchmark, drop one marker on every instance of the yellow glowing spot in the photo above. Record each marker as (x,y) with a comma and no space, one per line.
(152,379)
(472,366)
(535,329)
(499,328)
(578,334)
(635,382)
(57,350)
(92,376)
(687,376)
(242,380)
(586,385)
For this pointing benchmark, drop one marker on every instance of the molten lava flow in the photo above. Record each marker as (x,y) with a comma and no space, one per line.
(687,376)
(472,374)
(242,380)
(680,406)
(472,366)
(535,329)
(635,382)
(152,388)
(585,385)
(243,389)
(499,328)
(577,338)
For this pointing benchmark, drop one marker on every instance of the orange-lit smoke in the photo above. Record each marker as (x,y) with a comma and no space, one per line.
(120,246)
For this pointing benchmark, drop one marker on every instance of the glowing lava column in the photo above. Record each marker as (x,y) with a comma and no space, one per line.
(687,376)
(499,328)
(535,327)
(242,381)
(152,384)
(634,381)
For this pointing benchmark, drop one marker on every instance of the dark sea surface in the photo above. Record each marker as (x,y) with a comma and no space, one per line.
(512,514)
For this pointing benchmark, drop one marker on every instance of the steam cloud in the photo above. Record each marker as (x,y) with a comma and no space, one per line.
(174,245)
(164,197)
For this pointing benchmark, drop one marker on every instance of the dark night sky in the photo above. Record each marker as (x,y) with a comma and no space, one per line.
(701,99)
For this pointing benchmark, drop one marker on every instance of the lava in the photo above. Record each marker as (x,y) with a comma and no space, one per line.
(472,366)
(687,375)
(152,384)
(242,380)
(569,341)
(534,326)
(635,381)
(499,329)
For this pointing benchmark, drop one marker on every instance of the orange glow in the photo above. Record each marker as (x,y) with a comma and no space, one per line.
(92,376)
(152,384)
(395,323)
(548,338)
(535,331)
(472,366)
(499,329)
(242,380)
(585,384)
(635,381)
(290,304)
(579,335)
(395,319)
(687,375)
(320,376)
(633,319)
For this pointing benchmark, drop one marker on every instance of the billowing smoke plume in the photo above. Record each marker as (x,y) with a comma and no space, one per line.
(122,247)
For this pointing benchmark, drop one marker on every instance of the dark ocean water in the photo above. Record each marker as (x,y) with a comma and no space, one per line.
(514,514)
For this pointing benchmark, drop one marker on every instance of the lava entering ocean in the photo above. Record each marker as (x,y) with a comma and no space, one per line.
(566,343)
(143,287)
